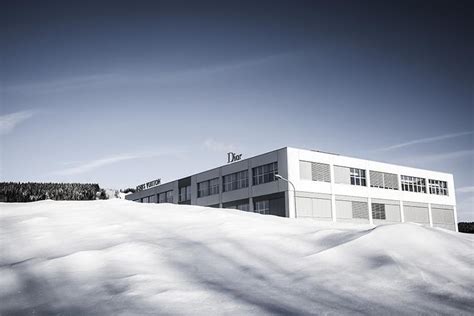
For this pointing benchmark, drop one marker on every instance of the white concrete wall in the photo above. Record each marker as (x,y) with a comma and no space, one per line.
(333,188)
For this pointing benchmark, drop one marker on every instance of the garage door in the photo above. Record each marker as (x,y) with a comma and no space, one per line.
(313,207)
(443,216)
(416,213)
(350,208)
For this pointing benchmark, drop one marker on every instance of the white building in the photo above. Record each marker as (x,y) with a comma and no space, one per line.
(328,187)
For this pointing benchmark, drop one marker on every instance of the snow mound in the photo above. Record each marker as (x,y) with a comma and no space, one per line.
(118,257)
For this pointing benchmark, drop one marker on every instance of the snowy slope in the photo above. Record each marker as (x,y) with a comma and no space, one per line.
(122,258)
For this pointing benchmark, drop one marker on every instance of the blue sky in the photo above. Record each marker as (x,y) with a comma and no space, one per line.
(124,92)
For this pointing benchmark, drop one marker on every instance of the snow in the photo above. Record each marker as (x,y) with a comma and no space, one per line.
(115,194)
(124,258)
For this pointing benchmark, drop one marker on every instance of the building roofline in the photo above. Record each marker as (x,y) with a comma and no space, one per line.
(299,148)
(371,160)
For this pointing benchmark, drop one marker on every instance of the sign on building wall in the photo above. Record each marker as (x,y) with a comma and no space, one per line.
(148,185)
(231,157)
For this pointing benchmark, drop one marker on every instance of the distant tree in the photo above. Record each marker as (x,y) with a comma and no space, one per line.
(466,227)
(102,195)
(128,190)
(34,191)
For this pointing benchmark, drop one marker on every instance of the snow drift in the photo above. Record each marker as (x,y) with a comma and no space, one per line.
(120,257)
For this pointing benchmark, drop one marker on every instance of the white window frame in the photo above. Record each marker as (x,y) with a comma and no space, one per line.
(413,184)
(235,181)
(358,177)
(438,187)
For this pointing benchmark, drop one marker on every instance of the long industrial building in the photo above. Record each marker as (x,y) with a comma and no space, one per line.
(300,183)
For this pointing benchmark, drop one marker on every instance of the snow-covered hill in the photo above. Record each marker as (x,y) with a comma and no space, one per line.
(119,257)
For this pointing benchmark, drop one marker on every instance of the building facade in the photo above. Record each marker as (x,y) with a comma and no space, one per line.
(327,187)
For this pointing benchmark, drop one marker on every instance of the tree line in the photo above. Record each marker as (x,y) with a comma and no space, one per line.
(466,227)
(35,191)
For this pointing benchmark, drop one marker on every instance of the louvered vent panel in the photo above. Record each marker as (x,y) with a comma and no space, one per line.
(376,179)
(320,172)
(391,181)
(360,210)
(378,211)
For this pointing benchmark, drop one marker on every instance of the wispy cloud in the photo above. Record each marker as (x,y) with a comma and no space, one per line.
(447,156)
(198,73)
(426,140)
(465,208)
(469,189)
(114,79)
(66,84)
(83,167)
(214,145)
(9,121)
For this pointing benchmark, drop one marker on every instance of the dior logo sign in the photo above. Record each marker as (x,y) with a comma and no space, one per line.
(231,157)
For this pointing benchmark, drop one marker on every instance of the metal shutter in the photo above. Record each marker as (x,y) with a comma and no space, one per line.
(378,211)
(342,175)
(443,217)
(304,207)
(376,179)
(313,207)
(392,213)
(344,209)
(391,181)
(416,214)
(360,210)
(322,208)
(305,170)
(320,172)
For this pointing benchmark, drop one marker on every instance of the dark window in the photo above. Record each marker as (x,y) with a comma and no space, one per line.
(208,187)
(242,207)
(236,181)
(185,193)
(262,207)
(165,197)
(265,173)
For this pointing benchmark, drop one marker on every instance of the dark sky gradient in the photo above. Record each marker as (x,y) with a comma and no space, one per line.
(125,91)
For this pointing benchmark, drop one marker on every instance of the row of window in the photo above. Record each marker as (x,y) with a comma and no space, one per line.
(438,187)
(356,176)
(236,181)
(239,180)
(262,207)
(241,207)
(413,184)
(231,182)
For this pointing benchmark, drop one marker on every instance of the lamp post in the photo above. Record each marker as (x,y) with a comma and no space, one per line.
(294,190)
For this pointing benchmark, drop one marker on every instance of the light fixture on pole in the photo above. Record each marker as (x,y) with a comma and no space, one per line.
(294,190)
